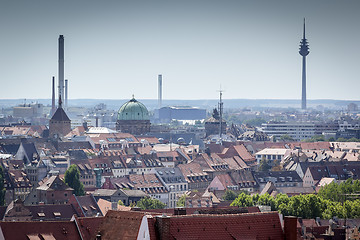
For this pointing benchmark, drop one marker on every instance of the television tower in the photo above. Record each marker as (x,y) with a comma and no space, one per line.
(304,51)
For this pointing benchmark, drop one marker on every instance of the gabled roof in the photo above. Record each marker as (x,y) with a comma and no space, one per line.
(26,151)
(243,177)
(241,151)
(127,225)
(192,169)
(60,115)
(222,182)
(88,226)
(54,183)
(86,206)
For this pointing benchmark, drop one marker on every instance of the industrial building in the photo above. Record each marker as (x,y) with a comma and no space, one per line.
(166,114)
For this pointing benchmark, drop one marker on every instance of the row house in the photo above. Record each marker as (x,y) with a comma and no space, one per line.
(87,175)
(16,182)
(126,162)
(279,178)
(151,184)
(127,196)
(340,172)
(175,182)
(102,167)
(239,180)
(195,176)
(36,171)
(108,139)
(172,158)
(245,180)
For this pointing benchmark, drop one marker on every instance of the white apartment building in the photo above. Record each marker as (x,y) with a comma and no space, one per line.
(298,130)
(271,154)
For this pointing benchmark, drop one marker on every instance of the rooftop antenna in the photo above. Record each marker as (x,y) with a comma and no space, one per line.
(221,114)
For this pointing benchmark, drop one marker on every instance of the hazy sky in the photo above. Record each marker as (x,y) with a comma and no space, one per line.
(114,49)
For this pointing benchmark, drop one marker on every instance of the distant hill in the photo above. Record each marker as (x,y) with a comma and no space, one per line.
(202,103)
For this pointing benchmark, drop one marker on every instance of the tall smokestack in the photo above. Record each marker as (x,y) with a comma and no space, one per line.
(53,108)
(66,94)
(159,90)
(61,66)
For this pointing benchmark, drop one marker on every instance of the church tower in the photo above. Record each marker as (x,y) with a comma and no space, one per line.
(60,123)
(304,51)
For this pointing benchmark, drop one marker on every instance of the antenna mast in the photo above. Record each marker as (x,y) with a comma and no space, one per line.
(221,115)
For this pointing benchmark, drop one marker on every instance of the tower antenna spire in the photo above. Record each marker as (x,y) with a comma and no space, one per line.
(304,30)
(221,114)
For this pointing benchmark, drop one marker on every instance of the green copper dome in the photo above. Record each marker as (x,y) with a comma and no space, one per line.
(133,110)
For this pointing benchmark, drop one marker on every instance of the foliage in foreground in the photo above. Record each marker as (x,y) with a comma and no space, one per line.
(330,202)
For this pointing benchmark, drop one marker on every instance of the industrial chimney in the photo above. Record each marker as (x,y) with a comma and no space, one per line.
(53,108)
(66,94)
(61,66)
(159,90)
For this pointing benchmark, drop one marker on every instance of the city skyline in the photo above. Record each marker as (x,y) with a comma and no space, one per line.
(116,49)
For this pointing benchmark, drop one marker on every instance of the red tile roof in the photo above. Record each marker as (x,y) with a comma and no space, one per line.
(121,225)
(47,230)
(259,226)
(88,226)
(311,145)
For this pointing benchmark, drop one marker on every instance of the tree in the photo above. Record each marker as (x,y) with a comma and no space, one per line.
(243,200)
(229,195)
(181,201)
(121,203)
(72,179)
(277,166)
(266,200)
(264,165)
(316,138)
(353,139)
(286,137)
(149,203)
(255,122)
(2,188)
(340,139)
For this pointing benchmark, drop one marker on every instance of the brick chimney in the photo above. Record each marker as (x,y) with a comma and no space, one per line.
(290,224)
(163,227)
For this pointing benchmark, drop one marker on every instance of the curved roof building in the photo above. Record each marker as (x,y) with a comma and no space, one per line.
(133,117)
(133,110)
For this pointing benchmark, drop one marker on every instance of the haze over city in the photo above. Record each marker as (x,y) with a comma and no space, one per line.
(114,49)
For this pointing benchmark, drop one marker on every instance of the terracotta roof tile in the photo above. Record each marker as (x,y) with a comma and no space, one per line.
(233,226)
(52,230)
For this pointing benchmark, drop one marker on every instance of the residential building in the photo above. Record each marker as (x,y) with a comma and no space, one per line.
(54,191)
(175,182)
